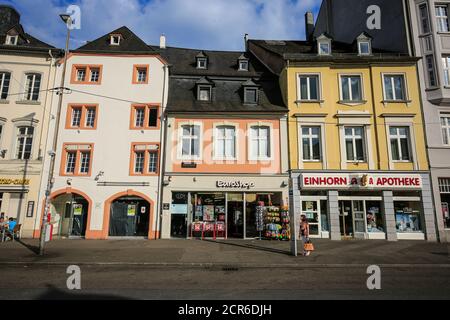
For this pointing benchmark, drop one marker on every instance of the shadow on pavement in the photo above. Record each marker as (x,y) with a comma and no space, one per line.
(30,247)
(54,293)
(251,246)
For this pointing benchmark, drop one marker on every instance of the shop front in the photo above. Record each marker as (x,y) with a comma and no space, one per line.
(365,205)
(226,208)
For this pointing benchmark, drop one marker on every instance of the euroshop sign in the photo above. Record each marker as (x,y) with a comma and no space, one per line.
(360,181)
(235,184)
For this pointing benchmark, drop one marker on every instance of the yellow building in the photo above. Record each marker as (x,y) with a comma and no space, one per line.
(356,139)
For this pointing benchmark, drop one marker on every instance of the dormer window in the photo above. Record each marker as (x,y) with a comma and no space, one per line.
(324,45)
(251,92)
(243,63)
(11,40)
(115,39)
(204,93)
(364,44)
(202,61)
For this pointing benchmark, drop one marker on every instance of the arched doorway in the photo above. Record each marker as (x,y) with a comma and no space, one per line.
(129,215)
(70,213)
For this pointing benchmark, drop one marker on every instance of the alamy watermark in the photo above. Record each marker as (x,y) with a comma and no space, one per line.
(374,280)
(74,12)
(74,280)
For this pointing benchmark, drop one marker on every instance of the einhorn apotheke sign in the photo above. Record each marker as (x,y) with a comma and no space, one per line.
(235,184)
(360,181)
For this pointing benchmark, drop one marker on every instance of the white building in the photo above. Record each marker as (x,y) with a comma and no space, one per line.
(107,173)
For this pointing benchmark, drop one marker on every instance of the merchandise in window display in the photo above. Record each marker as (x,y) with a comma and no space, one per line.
(407,220)
(260,212)
(372,224)
(276,223)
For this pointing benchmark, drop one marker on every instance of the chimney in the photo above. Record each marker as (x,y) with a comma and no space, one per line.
(246,42)
(309,25)
(162,42)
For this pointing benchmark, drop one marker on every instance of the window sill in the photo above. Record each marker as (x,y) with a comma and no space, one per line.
(261,159)
(4,101)
(312,161)
(352,103)
(445,33)
(402,161)
(28,102)
(434,88)
(309,101)
(357,162)
(225,159)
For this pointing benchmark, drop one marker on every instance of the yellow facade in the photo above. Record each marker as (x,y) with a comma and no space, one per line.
(377,116)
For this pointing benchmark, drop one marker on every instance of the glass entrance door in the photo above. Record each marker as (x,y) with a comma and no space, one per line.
(359,220)
(311,209)
(179,215)
(346,218)
(235,215)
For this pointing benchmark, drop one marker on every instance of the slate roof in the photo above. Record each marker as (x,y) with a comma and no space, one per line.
(227,83)
(130,43)
(26,42)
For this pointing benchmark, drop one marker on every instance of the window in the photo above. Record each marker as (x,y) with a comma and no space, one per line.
(424,20)
(311,143)
(95,74)
(428,43)
(82,117)
(140,74)
(11,40)
(24,143)
(354,143)
(190,141)
(225,142)
(408,217)
(87,74)
(394,88)
(260,143)
(309,87)
(115,39)
(144,117)
(202,63)
(77,160)
(442,18)
(351,88)
(446,64)
(364,48)
(445,123)
(32,87)
(204,93)
(399,137)
(431,71)
(243,65)
(144,159)
(251,95)
(324,48)
(5,78)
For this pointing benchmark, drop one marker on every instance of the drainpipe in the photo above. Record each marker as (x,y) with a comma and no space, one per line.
(162,160)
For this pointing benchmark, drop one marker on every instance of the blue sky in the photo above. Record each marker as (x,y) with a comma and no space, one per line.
(203,24)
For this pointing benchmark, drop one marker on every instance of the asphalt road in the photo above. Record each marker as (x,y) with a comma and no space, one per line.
(144,282)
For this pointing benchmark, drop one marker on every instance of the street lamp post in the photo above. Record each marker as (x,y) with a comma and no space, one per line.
(68,21)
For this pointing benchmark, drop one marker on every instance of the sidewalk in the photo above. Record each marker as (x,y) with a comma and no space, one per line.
(238,253)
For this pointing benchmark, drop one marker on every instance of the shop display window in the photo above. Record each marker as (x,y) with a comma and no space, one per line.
(374,216)
(445,206)
(408,216)
(324,216)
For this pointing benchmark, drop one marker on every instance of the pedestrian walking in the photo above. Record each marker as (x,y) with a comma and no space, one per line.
(304,233)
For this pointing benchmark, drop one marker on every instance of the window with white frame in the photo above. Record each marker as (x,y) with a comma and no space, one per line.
(204,93)
(85,161)
(145,159)
(428,43)
(190,141)
(5,78)
(442,18)
(400,143)
(81,74)
(77,160)
(90,117)
(324,48)
(24,142)
(309,87)
(142,75)
(225,142)
(431,70)
(445,124)
(364,48)
(71,158)
(152,161)
(354,143)
(260,148)
(95,74)
(243,65)
(115,39)
(394,87)
(446,66)
(424,19)
(202,63)
(311,143)
(139,159)
(76,117)
(11,40)
(351,88)
(32,86)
